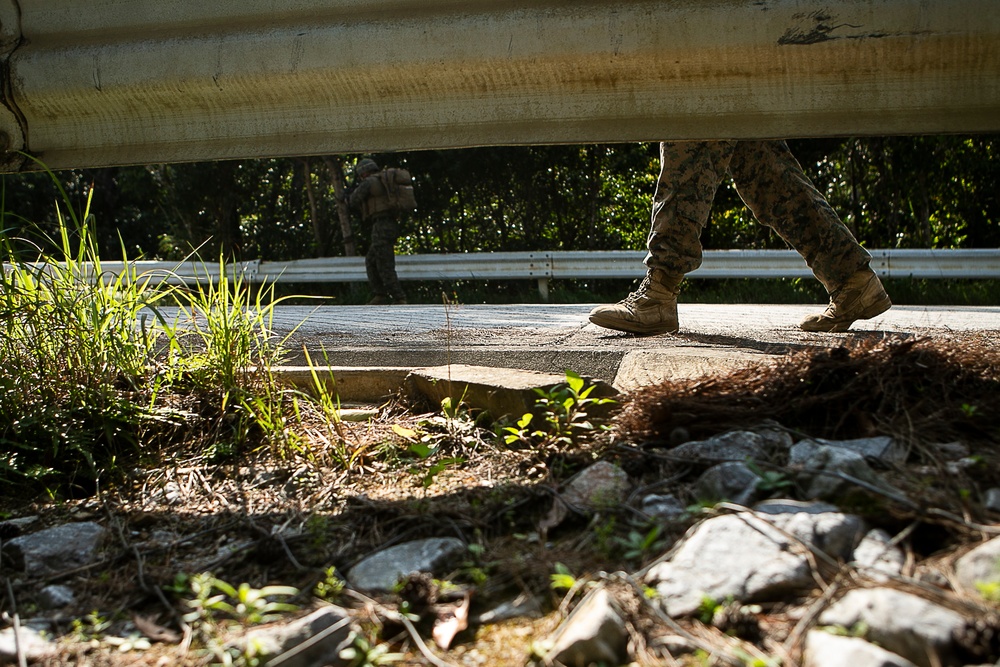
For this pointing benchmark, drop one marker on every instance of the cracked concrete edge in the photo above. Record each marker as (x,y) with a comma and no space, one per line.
(642,368)
(637,369)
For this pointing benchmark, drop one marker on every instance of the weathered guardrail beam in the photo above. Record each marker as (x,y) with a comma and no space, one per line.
(141,81)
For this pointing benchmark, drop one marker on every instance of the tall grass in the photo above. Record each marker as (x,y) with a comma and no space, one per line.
(93,373)
(74,363)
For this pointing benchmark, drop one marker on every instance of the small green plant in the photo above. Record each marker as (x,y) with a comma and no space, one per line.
(214,600)
(330,586)
(562,579)
(565,412)
(91,627)
(989,590)
(707,608)
(771,481)
(366,653)
(639,545)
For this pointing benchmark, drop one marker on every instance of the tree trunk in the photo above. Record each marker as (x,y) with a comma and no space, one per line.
(337,180)
(321,231)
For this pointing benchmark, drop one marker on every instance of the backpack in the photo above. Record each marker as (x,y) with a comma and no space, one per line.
(399,189)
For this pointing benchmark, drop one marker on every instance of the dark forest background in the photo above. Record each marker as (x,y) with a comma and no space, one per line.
(893,192)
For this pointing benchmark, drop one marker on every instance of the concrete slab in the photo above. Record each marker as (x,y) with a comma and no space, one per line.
(646,367)
(374,347)
(499,391)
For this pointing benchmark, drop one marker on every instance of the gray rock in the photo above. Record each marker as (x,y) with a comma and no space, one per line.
(826,650)
(56,596)
(55,549)
(882,449)
(597,487)
(14,527)
(992,499)
(732,481)
(775,437)
(32,644)
(979,566)
(666,507)
(828,461)
(750,556)
(877,557)
(327,630)
(732,446)
(900,622)
(381,571)
(593,634)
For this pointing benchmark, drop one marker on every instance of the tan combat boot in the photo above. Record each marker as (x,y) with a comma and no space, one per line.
(651,309)
(861,297)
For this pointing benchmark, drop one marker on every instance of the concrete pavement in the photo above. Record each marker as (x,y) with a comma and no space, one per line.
(553,338)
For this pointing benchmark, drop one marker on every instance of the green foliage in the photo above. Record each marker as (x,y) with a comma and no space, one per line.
(76,368)
(365,652)
(213,600)
(562,579)
(565,411)
(330,586)
(639,545)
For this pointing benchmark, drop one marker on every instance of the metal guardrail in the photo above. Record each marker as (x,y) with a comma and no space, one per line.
(983,263)
(146,81)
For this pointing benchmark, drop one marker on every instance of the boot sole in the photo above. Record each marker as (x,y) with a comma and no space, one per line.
(633,327)
(839,326)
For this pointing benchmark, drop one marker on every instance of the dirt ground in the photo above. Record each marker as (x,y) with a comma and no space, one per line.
(264,520)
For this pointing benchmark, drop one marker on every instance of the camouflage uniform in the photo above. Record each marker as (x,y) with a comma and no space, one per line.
(380,260)
(770,182)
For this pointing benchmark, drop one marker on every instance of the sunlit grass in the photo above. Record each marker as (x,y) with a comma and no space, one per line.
(95,374)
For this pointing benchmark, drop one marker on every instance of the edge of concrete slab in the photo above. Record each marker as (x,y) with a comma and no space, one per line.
(637,369)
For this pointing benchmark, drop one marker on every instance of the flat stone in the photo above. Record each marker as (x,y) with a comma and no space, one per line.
(732,446)
(55,549)
(502,392)
(900,622)
(828,650)
(662,506)
(732,481)
(382,571)
(749,556)
(829,460)
(979,566)
(595,488)
(593,634)
(992,499)
(882,448)
(318,637)
(877,558)
(56,596)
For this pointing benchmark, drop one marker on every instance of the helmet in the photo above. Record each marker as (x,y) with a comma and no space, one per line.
(365,167)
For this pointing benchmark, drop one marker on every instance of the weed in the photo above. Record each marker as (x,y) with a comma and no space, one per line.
(214,599)
(562,579)
(771,481)
(638,545)
(365,653)
(565,410)
(330,587)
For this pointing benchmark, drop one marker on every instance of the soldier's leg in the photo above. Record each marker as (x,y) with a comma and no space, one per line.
(772,183)
(690,173)
(385,233)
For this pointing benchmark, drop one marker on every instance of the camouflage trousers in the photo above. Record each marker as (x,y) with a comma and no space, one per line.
(770,181)
(380,260)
